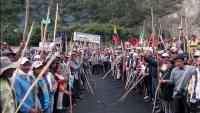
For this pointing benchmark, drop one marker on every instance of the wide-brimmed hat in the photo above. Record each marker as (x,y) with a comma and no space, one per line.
(8,52)
(6,64)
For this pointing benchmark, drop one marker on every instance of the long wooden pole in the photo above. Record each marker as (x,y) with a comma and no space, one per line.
(45,30)
(85,74)
(55,26)
(26,20)
(36,81)
(41,27)
(125,95)
(17,69)
(68,64)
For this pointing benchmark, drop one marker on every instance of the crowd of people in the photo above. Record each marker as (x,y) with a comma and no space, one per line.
(172,70)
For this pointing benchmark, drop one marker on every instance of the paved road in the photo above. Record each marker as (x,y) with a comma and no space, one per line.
(107,92)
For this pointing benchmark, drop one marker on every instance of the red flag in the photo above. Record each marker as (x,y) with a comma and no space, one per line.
(115,37)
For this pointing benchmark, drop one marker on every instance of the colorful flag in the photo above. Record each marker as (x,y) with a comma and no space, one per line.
(115,37)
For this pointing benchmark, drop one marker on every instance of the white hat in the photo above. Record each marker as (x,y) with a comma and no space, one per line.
(130,53)
(24,60)
(197,53)
(135,54)
(160,52)
(37,57)
(165,55)
(174,49)
(6,64)
(36,64)
(180,51)
(117,51)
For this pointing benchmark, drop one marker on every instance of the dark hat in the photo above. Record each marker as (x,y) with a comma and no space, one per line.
(8,52)
(180,56)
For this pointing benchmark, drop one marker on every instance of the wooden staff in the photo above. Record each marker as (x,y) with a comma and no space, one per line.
(54,33)
(160,34)
(107,73)
(127,82)
(36,81)
(45,30)
(68,64)
(125,95)
(85,74)
(41,27)
(133,83)
(26,20)
(17,69)
(187,38)
(155,96)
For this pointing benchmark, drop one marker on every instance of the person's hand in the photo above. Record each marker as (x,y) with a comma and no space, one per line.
(162,81)
(146,74)
(22,44)
(66,79)
(68,93)
(32,111)
(40,111)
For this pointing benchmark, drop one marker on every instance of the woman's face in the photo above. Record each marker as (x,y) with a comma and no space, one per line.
(58,69)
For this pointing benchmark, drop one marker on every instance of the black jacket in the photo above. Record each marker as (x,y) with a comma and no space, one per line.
(166,90)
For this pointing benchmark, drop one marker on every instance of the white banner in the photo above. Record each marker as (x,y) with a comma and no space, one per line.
(86,37)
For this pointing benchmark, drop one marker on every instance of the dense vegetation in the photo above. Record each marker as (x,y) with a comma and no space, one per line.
(90,16)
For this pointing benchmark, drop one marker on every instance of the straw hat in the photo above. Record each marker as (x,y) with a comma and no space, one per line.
(6,64)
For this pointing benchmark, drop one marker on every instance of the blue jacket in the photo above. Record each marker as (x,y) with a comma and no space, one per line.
(43,93)
(21,86)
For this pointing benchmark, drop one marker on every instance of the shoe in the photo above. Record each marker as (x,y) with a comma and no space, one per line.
(148,100)
(157,107)
(146,97)
(159,111)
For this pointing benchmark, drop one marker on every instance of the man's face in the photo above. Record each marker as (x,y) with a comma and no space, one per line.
(169,65)
(179,63)
(38,70)
(25,67)
(198,62)
(11,57)
(5,46)
(9,72)
(62,57)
